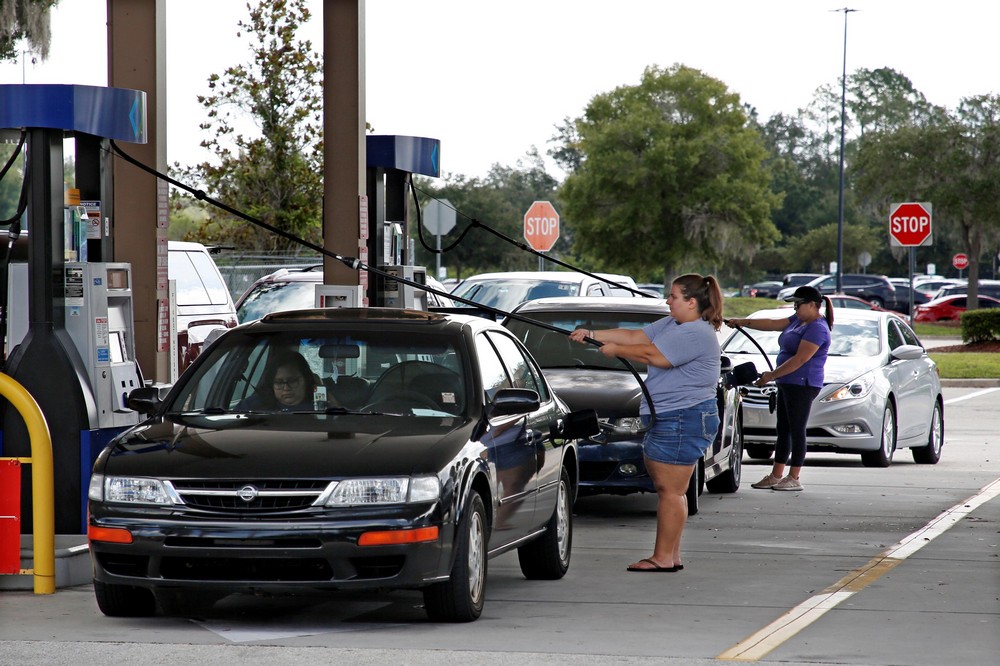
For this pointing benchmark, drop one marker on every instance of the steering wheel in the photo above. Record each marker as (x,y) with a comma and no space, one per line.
(402,401)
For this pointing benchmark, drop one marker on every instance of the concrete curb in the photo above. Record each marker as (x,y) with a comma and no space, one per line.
(970,383)
(73,566)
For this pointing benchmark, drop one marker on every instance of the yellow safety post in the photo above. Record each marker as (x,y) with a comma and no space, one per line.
(42,483)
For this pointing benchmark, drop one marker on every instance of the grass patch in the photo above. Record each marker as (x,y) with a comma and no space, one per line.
(937,330)
(967,365)
(741,306)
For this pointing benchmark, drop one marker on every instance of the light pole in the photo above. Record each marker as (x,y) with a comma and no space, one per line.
(840,196)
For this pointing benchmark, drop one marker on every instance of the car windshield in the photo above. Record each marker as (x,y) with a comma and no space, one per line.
(276,297)
(853,338)
(556,350)
(507,294)
(384,371)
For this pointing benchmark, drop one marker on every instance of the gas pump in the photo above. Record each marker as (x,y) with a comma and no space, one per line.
(73,349)
(392,161)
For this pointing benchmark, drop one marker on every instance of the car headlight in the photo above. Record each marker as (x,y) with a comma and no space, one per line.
(392,490)
(128,489)
(856,388)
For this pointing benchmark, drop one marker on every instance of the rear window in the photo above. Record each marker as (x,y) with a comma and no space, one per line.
(276,297)
(197,279)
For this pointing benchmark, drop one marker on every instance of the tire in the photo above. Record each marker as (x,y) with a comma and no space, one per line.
(547,557)
(877,302)
(461,597)
(729,481)
(694,489)
(124,600)
(759,451)
(930,454)
(882,457)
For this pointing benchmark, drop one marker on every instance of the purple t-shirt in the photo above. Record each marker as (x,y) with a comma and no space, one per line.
(816,332)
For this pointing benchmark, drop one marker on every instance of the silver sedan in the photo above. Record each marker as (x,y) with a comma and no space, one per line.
(881,391)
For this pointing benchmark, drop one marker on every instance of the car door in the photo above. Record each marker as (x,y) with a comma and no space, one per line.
(511,453)
(525,373)
(913,386)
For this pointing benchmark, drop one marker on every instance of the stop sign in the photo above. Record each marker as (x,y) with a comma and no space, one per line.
(960,261)
(541,226)
(910,224)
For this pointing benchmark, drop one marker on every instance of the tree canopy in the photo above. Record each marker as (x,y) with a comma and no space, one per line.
(669,174)
(25,19)
(275,173)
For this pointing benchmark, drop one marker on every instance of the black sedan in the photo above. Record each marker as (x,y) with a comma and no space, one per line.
(354,449)
(586,379)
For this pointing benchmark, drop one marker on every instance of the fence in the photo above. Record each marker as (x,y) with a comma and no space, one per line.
(241,270)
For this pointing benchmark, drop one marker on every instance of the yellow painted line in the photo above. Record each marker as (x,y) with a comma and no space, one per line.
(762,642)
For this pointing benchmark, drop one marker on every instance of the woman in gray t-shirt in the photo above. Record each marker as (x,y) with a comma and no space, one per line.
(682,354)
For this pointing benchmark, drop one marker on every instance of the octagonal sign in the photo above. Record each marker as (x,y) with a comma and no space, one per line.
(910,224)
(541,226)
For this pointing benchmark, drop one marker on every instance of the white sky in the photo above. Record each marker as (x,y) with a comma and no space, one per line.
(492,79)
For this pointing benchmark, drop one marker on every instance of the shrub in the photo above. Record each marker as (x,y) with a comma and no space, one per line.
(981,325)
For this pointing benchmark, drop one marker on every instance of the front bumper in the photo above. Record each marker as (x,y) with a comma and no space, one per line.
(848,426)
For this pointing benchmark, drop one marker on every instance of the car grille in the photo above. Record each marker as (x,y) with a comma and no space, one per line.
(256,496)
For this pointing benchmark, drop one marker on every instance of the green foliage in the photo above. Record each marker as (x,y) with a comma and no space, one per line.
(25,19)
(670,174)
(498,201)
(275,174)
(10,185)
(981,325)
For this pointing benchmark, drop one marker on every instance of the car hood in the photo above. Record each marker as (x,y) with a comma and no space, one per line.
(611,393)
(280,447)
(838,369)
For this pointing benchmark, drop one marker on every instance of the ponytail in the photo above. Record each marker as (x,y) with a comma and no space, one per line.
(708,294)
(829,311)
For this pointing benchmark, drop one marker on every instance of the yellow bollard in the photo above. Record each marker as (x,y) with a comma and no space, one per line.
(42,483)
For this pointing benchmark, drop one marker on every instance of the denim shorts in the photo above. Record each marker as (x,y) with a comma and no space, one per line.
(680,437)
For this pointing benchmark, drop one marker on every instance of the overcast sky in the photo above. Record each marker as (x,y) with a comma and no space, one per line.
(493,79)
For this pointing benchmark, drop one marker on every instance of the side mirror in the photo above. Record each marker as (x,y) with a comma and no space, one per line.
(147,399)
(579,425)
(513,401)
(907,352)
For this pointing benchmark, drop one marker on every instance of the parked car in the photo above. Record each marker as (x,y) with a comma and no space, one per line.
(586,379)
(989,288)
(902,286)
(881,391)
(875,289)
(504,291)
(765,289)
(295,289)
(204,304)
(950,308)
(798,279)
(437,445)
(843,301)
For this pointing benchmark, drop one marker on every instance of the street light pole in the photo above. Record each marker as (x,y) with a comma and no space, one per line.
(840,197)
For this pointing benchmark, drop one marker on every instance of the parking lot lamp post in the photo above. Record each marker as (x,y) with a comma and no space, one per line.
(840,197)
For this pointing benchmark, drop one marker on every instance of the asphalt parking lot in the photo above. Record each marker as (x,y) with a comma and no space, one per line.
(867,566)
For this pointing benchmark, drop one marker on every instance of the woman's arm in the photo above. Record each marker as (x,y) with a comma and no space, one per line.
(645,352)
(805,352)
(621,336)
(758,324)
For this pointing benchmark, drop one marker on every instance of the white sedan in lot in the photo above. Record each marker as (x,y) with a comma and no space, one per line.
(881,391)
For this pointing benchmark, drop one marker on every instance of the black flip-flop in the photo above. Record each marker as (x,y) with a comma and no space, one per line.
(656,568)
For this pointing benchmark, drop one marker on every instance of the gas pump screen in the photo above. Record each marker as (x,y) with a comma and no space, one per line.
(117,278)
(117,344)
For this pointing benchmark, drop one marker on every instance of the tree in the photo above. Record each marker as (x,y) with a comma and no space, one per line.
(276,174)
(670,174)
(954,163)
(25,19)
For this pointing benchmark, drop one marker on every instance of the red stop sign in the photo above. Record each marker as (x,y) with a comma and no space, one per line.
(909,224)
(541,226)
(960,261)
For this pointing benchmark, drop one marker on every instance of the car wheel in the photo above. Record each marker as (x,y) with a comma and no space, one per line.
(877,302)
(124,600)
(694,489)
(729,481)
(760,451)
(882,457)
(461,597)
(930,454)
(547,557)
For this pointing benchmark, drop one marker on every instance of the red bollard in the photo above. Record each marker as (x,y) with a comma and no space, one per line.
(10,516)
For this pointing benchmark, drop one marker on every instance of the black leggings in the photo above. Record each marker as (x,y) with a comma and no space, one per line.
(794,403)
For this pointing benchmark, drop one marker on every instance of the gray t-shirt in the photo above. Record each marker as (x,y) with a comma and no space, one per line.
(693,351)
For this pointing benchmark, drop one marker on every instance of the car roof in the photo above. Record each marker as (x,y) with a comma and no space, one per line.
(555,276)
(370,315)
(596,303)
(840,315)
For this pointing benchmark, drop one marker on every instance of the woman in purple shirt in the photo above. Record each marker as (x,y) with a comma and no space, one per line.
(803,344)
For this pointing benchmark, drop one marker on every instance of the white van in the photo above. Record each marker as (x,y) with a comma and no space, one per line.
(203,300)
